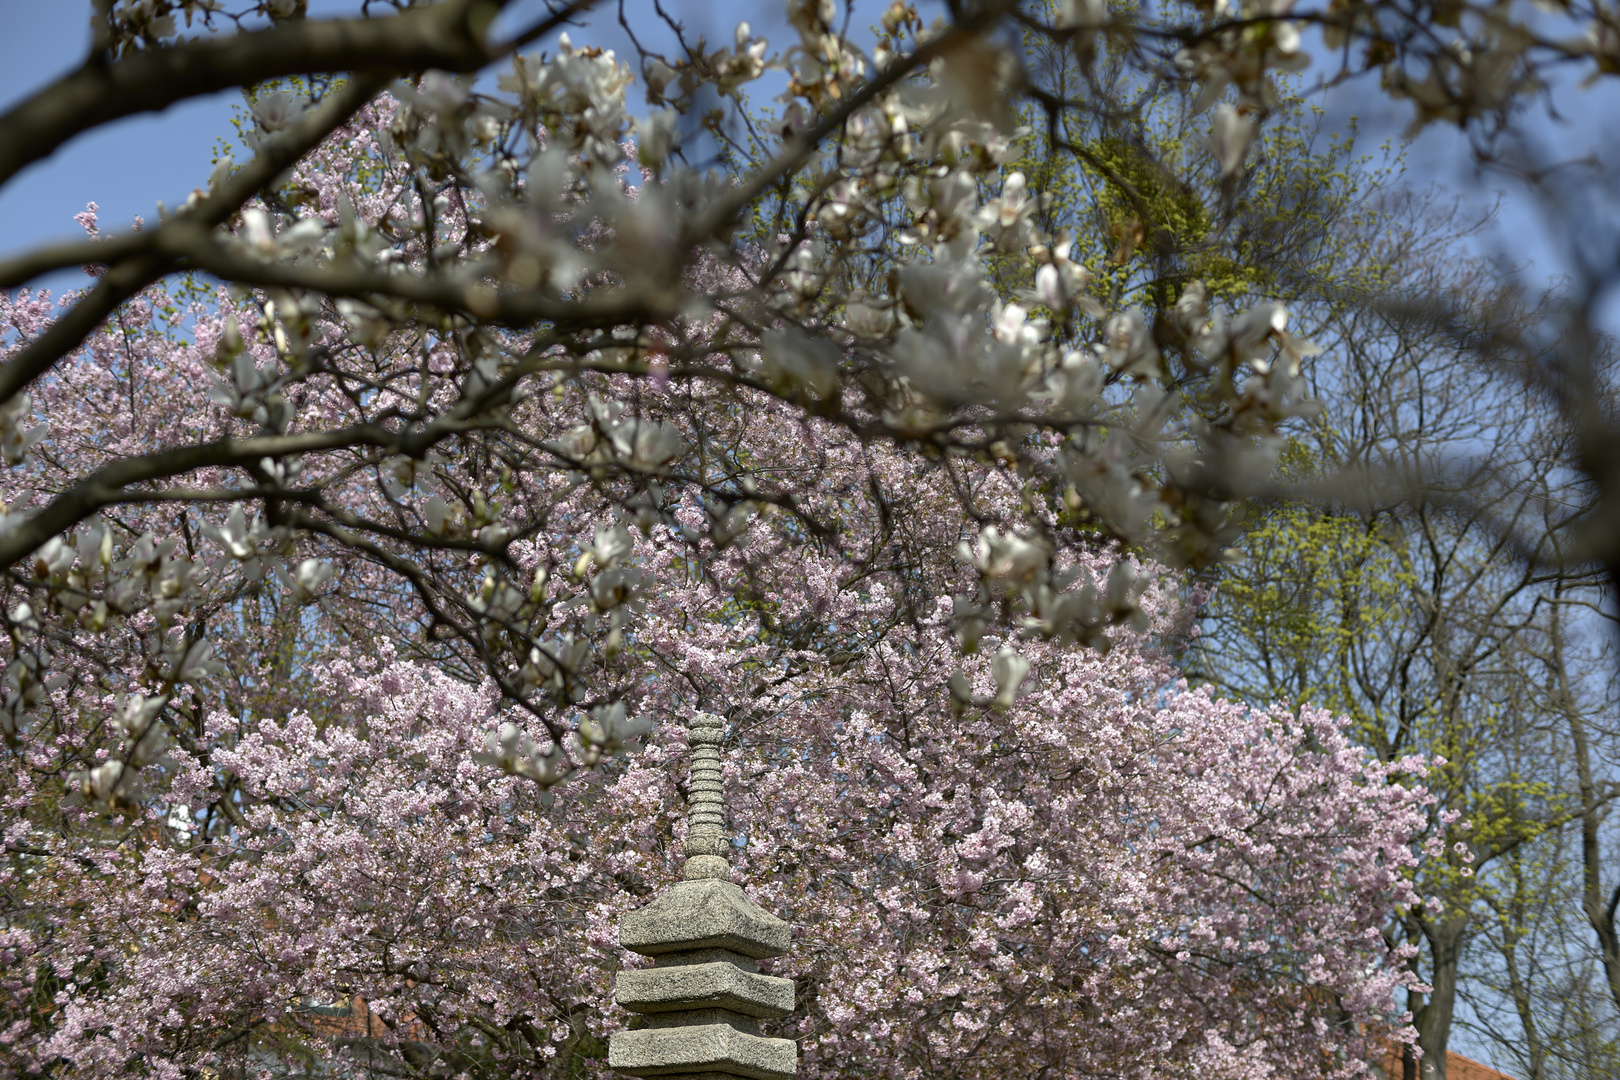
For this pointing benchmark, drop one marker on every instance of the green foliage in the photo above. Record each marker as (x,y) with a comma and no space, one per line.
(1139,195)
(1312,585)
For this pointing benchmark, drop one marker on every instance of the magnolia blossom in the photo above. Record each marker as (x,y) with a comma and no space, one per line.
(1229,139)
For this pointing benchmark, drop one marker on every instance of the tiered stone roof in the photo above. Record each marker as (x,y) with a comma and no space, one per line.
(704,996)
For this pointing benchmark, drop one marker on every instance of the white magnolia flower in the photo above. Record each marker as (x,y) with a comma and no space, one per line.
(1062,283)
(1082,14)
(272,113)
(1230,135)
(1008,219)
(54,558)
(658,75)
(107,783)
(198,664)
(238,539)
(867,316)
(1128,345)
(513,751)
(16,438)
(606,731)
(436,512)
(95,545)
(1008,556)
(1075,385)
(645,443)
(1248,337)
(307,579)
(278,110)
(612,544)
(656,138)
(1009,669)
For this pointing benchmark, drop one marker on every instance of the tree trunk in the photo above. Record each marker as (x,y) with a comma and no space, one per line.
(1599,912)
(1527,1016)
(1433,1018)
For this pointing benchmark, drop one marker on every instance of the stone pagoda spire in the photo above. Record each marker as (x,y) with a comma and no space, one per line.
(704,997)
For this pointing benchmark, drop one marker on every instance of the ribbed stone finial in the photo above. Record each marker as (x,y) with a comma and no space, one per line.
(706,843)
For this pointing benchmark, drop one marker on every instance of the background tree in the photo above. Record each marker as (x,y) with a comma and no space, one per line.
(1424,619)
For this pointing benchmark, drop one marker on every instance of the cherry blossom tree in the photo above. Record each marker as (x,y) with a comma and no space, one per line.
(1057,858)
(359,816)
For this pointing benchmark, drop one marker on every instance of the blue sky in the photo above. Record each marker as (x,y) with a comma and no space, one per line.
(125,168)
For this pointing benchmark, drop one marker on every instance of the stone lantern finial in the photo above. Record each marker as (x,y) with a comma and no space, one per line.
(706,843)
(704,996)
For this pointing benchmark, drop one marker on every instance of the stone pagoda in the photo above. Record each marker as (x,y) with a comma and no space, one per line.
(704,997)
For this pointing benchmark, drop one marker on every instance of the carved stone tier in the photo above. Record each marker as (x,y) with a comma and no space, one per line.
(704,999)
(713,985)
(704,914)
(710,1048)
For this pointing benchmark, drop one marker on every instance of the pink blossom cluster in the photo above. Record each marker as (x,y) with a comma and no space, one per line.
(1080,866)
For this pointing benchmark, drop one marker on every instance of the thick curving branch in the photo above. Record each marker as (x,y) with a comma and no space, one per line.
(193,248)
(448,36)
(106,485)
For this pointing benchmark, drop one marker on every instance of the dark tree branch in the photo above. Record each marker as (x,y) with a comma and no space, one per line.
(449,36)
(106,485)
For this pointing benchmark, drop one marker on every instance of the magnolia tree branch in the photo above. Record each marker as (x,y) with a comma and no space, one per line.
(110,484)
(139,269)
(473,294)
(450,36)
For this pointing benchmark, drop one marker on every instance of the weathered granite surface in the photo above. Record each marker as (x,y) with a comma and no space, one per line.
(701,1017)
(693,986)
(701,914)
(705,956)
(709,1048)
